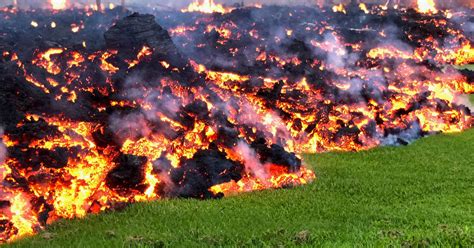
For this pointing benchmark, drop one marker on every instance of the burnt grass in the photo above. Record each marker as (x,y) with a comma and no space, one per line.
(412,196)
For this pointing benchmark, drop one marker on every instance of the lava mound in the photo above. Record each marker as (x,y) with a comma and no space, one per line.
(89,130)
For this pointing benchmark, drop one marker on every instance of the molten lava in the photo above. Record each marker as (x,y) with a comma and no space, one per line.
(206,6)
(427,6)
(58,4)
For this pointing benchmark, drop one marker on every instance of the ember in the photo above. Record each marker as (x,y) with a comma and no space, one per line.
(102,108)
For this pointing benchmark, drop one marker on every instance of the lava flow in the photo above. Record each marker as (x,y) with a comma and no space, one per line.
(105,108)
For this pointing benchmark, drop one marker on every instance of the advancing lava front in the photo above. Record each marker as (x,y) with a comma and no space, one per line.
(104,108)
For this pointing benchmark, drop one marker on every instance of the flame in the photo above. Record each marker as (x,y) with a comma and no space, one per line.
(363,7)
(144,52)
(339,8)
(58,4)
(75,28)
(427,6)
(277,180)
(105,65)
(181,30)
(206,6)
(45,61)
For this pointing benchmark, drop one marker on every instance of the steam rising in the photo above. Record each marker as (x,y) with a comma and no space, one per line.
(142,5)
(3,149)
(252,164)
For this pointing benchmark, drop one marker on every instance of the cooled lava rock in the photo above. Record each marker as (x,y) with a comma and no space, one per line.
(133,32)
(130,34)
(129,173)
(276,154)
(207,168)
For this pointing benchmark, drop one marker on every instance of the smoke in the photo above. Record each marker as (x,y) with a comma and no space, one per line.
(3,156)
(337,56)
(131,126)
(320,3)
(269,123)
(184,3)
(250,159)
(407,136)
(179,4)
(464,100)
(3,148)
(137,123)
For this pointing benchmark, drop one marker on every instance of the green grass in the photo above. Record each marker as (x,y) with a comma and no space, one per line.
(469,67)
(418,195)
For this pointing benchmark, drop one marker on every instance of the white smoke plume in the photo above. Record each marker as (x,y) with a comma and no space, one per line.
(3,148)
(134,125)
(178,4)
(3,156)
(250,160)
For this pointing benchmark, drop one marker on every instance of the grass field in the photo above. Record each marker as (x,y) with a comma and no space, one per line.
(418,195)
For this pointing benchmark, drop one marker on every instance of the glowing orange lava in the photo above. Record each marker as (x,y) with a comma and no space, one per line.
(58,4)
(427,6)
(206,6)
